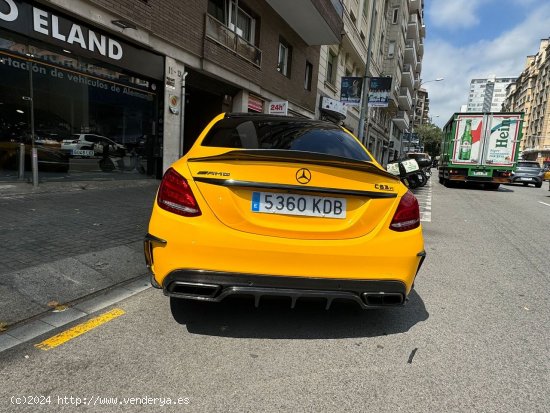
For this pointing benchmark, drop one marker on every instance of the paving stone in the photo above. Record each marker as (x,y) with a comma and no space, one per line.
(30,330)
(7,341)
(58,319)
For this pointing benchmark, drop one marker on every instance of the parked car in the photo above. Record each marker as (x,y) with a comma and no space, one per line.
(267,205)
(528,172)
(88,145)
(423,159)
(50,158)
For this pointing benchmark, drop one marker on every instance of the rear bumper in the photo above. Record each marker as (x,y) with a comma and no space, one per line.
(214,286)
(527,179)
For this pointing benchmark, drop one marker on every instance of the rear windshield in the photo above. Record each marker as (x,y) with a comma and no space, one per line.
(528,165)
(294,135)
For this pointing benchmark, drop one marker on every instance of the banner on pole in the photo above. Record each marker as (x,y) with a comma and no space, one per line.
(350,90)
(379,92)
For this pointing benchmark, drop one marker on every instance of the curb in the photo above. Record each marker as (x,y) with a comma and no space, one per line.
(46,322)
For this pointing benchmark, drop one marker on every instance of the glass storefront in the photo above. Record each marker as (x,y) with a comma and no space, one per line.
(87,120)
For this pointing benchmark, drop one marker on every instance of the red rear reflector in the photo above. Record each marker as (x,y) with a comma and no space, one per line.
(407,216)
(176,196)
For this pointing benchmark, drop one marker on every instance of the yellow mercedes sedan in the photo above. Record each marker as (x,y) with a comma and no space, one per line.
(266,205)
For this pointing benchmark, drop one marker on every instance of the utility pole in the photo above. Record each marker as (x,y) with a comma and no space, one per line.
(363,134)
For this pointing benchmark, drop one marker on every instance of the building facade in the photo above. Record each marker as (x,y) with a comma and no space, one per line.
(396,51)
(488,95)
(530,94)
(83,75)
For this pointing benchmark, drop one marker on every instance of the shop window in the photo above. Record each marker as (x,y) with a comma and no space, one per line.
(285,58)
(76,104)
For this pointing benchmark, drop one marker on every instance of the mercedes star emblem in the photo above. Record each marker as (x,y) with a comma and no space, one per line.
(303,176)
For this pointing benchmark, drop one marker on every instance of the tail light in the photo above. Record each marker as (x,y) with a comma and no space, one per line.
(176,196)
(407,216)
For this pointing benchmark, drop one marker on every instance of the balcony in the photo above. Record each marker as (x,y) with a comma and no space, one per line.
(407,77)
(401,120)
(410,54)
(405,100)
(414,6)
(421,48)
(223,35)
(413,28)
(323,25)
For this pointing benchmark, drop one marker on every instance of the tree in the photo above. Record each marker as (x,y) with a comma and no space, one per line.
(430,136)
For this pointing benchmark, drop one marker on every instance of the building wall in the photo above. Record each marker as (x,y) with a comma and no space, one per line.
(530,94)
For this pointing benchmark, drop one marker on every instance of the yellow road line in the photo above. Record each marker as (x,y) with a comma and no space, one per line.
(78,330)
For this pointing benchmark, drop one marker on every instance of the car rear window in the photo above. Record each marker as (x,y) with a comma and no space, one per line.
(294,135)
(528,165)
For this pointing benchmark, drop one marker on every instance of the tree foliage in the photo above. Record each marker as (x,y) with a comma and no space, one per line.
(430,135)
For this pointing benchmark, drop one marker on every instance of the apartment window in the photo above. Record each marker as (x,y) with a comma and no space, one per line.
(391,49)
(395,17)
(352,17)
(331,67)
(308,77)
(285,57)
(234,17)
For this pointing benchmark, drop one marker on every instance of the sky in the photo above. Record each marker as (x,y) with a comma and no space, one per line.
(467,39)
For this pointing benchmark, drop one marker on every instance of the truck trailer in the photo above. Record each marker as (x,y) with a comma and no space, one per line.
(480,148)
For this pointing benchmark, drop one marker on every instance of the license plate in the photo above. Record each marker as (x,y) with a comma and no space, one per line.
(525,179)
(293,204)
(82,152)
(480,173)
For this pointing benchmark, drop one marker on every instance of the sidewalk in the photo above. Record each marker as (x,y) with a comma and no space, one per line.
(66,240)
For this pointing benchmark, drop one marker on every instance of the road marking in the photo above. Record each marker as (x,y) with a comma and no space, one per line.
(544,203)
(78,330)
(424,197)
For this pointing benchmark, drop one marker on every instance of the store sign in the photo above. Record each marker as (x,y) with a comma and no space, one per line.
(40,23)
(278,108)
(333,106)
(255,104)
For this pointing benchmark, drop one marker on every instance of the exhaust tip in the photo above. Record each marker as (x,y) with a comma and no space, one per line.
(383,299)
(194,289)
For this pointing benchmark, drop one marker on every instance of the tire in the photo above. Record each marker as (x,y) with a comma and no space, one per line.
(441,180)
(538,185)
(422,179)
(106,165)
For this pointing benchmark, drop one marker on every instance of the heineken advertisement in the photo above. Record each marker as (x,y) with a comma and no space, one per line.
(467,139)
(499,146)
(503,139)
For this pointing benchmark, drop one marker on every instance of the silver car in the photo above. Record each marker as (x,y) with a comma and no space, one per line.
(528,172)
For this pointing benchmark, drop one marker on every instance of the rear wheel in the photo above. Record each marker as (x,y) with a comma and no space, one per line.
(538,185)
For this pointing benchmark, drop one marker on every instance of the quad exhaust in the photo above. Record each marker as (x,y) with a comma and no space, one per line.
(216,293)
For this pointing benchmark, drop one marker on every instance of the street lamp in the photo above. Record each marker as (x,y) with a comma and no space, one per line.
(439,79)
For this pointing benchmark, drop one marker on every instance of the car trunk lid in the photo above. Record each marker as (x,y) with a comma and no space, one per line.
(295,194)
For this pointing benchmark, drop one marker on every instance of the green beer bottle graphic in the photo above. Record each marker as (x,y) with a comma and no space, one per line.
(466,142)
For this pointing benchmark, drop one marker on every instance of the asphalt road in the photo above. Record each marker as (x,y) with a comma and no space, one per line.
(475,336)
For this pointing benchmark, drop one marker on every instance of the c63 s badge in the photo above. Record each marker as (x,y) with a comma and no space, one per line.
(383,187)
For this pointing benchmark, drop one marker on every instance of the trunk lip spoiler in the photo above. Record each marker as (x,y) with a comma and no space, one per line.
(268,185)
(288,156)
